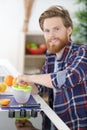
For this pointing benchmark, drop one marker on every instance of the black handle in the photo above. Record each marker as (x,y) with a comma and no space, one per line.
(30,105)
(22,106)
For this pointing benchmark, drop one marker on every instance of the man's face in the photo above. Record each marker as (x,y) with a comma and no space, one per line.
(56,34)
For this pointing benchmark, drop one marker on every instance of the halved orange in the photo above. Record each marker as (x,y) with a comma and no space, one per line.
(2,87)
(5,101)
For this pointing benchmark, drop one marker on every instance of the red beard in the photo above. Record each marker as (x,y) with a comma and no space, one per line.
(57,46)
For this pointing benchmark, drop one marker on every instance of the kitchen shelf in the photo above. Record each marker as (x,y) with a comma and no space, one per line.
(30,63)
(35,56)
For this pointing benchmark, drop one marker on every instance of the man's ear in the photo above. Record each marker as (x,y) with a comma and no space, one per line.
(69,31)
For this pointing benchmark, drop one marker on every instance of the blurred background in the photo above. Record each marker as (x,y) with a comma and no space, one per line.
(12,18)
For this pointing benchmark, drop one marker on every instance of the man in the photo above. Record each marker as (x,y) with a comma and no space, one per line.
(65,70)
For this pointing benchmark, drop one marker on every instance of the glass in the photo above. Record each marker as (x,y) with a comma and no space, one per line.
(7,123)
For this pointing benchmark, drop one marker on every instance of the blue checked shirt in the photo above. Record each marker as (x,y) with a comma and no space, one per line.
(69,95)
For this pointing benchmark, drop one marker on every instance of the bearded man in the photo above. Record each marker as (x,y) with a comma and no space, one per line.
(64,74)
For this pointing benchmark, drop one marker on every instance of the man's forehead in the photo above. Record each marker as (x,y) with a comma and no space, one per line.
(53,22)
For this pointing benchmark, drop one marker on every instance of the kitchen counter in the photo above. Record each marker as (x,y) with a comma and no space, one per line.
(10,124)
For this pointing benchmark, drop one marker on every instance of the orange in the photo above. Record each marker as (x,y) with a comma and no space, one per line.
(25,84)
(8,80)
(4,101)
(2,87)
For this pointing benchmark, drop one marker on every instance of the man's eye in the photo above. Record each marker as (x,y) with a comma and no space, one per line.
(56,29)
(46,30)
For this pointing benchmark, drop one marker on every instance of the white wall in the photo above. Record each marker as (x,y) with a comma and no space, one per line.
(41,5)
(11,17)
(11,21)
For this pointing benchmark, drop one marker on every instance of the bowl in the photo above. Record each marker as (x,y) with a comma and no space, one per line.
(36,51)
(21,93)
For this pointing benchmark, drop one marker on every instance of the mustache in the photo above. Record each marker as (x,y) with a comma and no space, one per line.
(49,40)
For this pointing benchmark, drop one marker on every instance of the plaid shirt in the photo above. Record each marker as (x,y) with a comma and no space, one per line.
(70,85)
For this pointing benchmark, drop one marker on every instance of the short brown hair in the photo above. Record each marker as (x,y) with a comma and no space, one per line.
(55,11)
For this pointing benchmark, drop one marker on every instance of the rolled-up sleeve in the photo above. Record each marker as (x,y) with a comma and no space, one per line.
(75,73)
(58,79)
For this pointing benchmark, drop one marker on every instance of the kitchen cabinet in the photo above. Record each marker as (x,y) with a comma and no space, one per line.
(30,63)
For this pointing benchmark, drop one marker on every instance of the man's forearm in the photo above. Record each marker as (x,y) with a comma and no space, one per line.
(42,79)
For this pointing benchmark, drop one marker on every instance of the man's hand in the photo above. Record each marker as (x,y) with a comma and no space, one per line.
(41,79)
(24,79)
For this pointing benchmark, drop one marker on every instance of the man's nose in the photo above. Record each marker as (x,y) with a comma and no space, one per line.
(51,33)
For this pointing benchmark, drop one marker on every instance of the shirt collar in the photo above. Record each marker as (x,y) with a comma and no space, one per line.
(66,52)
